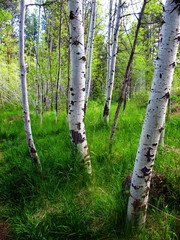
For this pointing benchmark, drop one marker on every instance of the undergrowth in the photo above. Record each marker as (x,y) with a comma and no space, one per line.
(66,204)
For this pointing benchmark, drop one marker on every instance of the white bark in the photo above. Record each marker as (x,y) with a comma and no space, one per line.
(25,104)
(112,64)
(77,84)
(155,114)
(109,46)
(91,42)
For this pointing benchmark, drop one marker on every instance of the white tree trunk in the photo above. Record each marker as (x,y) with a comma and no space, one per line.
(25,104)
(110,82)
(109,46)
(77,84)
(90,52)
(155,114)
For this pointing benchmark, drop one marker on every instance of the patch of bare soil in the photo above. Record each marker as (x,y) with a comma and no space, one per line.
(177,112)
(4,230)
(159,187)
(14,118)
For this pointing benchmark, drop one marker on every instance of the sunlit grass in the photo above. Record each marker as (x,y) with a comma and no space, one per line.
(66,204)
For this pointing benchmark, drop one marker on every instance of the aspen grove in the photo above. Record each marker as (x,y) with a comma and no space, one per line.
(82,82)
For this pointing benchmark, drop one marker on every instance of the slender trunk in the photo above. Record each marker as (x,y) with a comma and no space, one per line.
(37,67)
(25,104)
(89,29)
(110,83)
(77,84)
(68,83)
(109,48)
(91,42)
(126,82)
(59,62)
(155,114)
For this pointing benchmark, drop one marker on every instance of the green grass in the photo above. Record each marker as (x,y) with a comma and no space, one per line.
(65,203)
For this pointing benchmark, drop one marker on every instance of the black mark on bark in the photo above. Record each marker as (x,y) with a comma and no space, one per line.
(136,204)
(78,125)
(154,144)
(71,15)
(160,129)
(173,64)
(148,154)
(106,110)
(76,137)
(76,43)
(167,95)
(148,136)
(135,187)
(146,171)
(83,58)
(33,150)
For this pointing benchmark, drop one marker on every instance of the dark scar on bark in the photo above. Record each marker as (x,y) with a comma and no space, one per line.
(148,154)
(167,95)
(173,64)
(78,125)
(154,144)
(71,15)
(136,204)
(160,129)
(106,110)
(76,43)
(146,171)
(83,58)
(147,180)
(76,137)
(71,89)
(139,176)
(148,136)
(33,150)
(135,187)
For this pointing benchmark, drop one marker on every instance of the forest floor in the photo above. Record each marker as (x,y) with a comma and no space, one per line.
(65,203)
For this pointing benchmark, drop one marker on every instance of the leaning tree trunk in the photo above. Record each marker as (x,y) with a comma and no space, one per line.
(25,104)
(155,114)
(127,79)
(110,84)
(77,84)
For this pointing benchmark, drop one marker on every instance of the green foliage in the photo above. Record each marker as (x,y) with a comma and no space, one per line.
(65,203)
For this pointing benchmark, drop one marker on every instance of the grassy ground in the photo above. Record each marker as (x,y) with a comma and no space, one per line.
(65,203)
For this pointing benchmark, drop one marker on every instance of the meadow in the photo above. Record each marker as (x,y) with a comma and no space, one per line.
(65,203)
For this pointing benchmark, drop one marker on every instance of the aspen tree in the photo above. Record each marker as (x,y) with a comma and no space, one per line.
(90,52)
(155,114)
(26,115)
(77,83)
(110,83)
(127,79)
